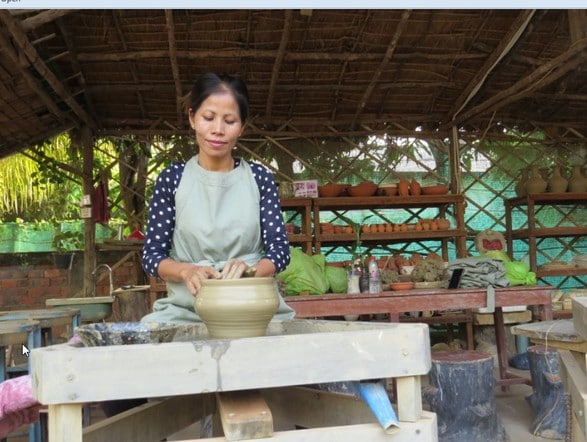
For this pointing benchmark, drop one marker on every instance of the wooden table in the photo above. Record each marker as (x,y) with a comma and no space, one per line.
(47,318)
(396,302)
(196,375)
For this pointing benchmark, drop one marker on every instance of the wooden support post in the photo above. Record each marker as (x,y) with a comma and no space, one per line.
(461,393)
(86,141)
(244,415)
(548,400)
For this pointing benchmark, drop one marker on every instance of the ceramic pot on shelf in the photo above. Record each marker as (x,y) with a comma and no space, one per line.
(535,183)
(520,188)
(577,182)
(557,183)
(403,187)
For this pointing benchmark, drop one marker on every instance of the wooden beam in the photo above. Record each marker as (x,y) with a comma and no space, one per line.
(35,60)
(383,64)
(577,24)
(278,62)
(65,34)
(244,415)
(16,59)
(516,30)
(338,87)
(87,148)
(131,66)
(47,16)
(269,54)
(173,60)
(152,421)
(540,77)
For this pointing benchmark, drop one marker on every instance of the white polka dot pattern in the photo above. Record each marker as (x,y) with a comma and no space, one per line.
(161,219)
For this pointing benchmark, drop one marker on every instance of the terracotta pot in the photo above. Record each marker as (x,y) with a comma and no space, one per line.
(443,223)
(536,184)
(237,308)
(577,183)
(415,188)
(403,188)
(557,183)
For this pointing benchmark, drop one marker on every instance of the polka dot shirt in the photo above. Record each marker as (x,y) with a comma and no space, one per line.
(161,221)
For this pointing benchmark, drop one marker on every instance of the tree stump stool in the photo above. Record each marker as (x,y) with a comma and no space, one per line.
(549,402)
(461,392)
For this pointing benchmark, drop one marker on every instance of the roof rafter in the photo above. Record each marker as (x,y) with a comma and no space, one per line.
(131,66)
(30,23)
(278,61)
(35,61)
(173,59)
(545,74)
(384,62)
(504,47)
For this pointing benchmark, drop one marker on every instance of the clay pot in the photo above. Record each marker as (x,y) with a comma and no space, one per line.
(535,184)
(366,188)
(331,190)
(403,188)
(443,224)
(520,188)
(415,188)
(557,182)
(577,182)
(237,308)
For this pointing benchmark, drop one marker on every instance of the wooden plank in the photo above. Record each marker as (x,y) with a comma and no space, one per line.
(557,330)
(575,381)
(579,306)
(508,317)
(409,398)
(65,423)
(295,407)
(152,421)
(580,347)
(425,430)
(328,351)
(244,415)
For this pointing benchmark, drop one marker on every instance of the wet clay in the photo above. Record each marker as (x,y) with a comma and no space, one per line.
(237,308)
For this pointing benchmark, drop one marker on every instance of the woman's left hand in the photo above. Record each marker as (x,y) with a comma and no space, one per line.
(234,269)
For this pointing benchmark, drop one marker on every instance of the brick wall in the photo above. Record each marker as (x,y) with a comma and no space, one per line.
(28,280)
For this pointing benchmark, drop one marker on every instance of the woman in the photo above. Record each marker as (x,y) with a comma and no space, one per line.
(214,216)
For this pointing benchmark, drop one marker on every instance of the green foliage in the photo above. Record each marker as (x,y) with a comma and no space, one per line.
(67,240)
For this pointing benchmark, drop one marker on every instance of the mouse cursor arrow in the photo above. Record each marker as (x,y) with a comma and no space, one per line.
(25,350)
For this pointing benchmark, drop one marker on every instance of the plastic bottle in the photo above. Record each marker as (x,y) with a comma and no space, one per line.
(353,281)
(364,279)
(374,277)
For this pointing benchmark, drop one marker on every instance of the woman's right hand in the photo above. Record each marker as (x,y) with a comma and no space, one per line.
(195,274)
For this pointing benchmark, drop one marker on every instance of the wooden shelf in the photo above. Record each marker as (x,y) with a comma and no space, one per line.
(375,203)
(531,206)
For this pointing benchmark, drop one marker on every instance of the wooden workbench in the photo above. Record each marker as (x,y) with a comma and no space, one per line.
(396,302)
(193,370)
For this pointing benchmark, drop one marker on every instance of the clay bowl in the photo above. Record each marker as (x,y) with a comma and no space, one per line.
(366,188)
(435,190)
(388,190)
(237,308)
(331,190)
(125,333)
(402,285)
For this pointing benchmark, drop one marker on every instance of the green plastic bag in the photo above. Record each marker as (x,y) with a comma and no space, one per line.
(305,274)
(518,273)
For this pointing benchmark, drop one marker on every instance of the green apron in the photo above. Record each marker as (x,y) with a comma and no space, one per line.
(217,218)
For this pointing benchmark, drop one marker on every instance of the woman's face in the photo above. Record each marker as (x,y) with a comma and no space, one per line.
(217,124)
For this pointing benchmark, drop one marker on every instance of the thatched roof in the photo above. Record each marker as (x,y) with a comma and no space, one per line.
(310,72)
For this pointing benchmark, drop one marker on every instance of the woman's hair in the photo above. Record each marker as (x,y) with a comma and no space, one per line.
(211,83)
